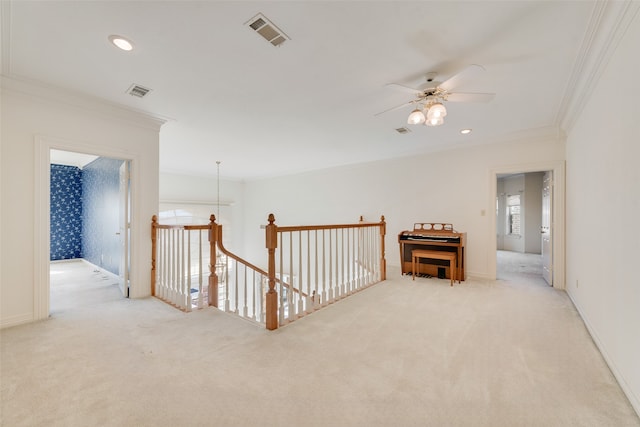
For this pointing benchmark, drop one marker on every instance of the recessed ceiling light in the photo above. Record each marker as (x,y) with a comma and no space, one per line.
(465,131)
(121,42)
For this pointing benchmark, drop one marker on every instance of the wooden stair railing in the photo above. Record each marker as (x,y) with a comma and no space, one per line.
(308,268)
(327,262)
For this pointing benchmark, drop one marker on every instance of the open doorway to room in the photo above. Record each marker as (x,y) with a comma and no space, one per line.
(89,233)
(524,226)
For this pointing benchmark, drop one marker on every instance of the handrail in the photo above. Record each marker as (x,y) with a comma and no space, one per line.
(325,226)
(245,262)
(182,227)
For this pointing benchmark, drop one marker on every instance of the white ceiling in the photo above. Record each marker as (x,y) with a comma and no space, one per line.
(311,103)
(68,158)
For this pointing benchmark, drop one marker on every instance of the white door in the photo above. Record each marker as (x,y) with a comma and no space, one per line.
(123,229)
(546,228)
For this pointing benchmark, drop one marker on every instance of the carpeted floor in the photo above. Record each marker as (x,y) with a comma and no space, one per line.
(401,353)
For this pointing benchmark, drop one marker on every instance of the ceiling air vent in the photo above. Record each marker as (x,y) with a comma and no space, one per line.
(403,130)
(137,90)
(267,29)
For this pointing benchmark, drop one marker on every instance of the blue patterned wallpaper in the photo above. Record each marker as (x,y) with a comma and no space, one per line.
(100,213)
(66,212)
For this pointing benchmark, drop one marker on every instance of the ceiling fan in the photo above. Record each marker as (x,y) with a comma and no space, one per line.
(430,97)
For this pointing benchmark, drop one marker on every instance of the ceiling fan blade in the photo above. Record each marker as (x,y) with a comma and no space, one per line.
(466,74)
(396,107)
(470,97)
(403,88)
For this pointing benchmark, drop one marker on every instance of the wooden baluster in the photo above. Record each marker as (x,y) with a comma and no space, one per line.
(200,261)
(355,260)
(188,270)
(316,300)
(383,261)
(283,297)
(164,265)
(172,267)
(213,275)
(255,314)
(272,295)
(332,289)
(309,301)
(245,309)
(236,298)
(338,259)
(300,276)
(325,294)
(342,280)
(154,238)
(291,295)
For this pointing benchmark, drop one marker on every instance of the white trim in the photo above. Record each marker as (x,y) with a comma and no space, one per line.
(43,145)
(609,22)
(19,319)
(558,215)
(48,93)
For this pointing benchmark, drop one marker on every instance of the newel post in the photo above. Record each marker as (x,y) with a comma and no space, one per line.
(272,294)
(213,276)
(383,261)
(154,244)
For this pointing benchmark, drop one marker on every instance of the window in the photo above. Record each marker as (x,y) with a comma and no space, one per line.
(513,215)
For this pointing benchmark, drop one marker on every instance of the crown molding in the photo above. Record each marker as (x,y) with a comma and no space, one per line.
(83,102)
(609,22)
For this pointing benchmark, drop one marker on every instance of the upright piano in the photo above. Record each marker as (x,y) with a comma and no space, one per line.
(433,237)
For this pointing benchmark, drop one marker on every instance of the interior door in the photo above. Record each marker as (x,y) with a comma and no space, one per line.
(547,228)
(123,229)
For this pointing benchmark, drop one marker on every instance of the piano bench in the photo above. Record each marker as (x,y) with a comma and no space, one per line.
(418,254)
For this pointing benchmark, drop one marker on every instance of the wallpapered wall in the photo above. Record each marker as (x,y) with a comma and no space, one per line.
(100,213)
(85,205)
(66,212)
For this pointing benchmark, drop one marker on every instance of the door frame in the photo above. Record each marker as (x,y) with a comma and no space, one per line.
(124,221)
(557,215)
(42,208)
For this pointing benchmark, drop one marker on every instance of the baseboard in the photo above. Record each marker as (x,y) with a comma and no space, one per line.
(20,319)
(633,399)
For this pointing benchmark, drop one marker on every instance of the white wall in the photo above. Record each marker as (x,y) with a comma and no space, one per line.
(179,189)
(533,212)
(452,186)
(35,119)
(603,205)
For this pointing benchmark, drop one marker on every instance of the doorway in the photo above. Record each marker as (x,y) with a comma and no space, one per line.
(89,215)
(523,245)
(528,222)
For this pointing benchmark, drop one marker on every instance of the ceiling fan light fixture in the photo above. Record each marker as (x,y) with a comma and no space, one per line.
(416,117)
(436,110)
(434,121)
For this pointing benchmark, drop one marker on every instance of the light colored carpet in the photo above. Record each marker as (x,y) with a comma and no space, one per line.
(518,266)
(401,353)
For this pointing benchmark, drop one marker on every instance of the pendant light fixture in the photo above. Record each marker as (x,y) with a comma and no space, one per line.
(431,114)
(416,117)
